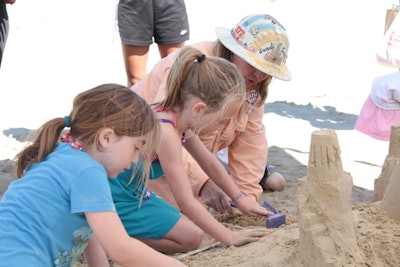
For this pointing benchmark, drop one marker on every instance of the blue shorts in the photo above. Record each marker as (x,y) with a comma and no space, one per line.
(152,218)
(141,20)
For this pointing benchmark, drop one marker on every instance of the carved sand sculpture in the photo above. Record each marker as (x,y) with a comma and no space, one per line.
(387,185)
(327,229)
(391,162)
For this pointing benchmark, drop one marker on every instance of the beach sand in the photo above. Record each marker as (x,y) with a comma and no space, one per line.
(61,49)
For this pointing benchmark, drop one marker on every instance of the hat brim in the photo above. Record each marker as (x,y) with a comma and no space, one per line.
(278,71)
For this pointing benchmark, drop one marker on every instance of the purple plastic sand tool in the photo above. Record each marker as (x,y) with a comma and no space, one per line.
(276,220)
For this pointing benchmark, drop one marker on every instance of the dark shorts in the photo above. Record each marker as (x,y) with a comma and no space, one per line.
(141,20)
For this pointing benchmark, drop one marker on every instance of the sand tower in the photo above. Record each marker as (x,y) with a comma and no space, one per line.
(391,200)
(327,231)
(387,186)
(391,161)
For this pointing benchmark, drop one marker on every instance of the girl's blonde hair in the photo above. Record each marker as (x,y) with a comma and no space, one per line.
(216,81)
(106,106)
(262,87)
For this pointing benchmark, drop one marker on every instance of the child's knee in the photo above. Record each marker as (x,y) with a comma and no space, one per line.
(275,182)
(194,242)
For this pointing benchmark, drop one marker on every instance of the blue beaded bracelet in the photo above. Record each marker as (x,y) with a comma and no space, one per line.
(237,198)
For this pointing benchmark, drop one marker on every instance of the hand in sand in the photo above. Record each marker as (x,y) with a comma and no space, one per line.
(215,198)
(250,207)
(243,237)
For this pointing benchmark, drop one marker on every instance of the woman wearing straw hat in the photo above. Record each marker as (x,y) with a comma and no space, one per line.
(258,45)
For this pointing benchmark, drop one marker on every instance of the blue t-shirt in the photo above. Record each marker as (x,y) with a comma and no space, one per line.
(42,220)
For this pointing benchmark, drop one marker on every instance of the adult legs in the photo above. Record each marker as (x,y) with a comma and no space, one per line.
(135,59)
(166,49)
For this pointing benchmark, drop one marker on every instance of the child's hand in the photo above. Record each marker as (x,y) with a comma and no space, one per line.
(250,207)
(243,237)
(215,198)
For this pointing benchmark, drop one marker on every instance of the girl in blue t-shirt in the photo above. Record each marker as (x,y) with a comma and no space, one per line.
(63,200)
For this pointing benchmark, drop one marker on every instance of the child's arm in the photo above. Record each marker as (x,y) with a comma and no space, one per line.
(95,255)
(123,249)
(170,156)
(216,171)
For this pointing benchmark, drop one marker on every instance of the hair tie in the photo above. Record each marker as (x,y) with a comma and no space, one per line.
(201,58)
(67,122)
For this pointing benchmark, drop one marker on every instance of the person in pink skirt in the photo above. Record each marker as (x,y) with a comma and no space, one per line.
(381,110)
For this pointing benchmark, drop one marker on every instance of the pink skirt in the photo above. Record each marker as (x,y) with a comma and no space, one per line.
(375,121)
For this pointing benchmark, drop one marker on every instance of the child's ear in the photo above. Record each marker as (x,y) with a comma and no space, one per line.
(198,108)
(106,136)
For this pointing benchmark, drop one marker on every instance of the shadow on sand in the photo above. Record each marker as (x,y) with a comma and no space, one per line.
(319,117)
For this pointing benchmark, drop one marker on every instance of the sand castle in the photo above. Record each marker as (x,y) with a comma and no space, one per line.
(387,185)
(391,200)
(326,225)
(391,162)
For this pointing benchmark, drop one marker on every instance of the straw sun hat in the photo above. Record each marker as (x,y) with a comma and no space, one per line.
(261,41)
